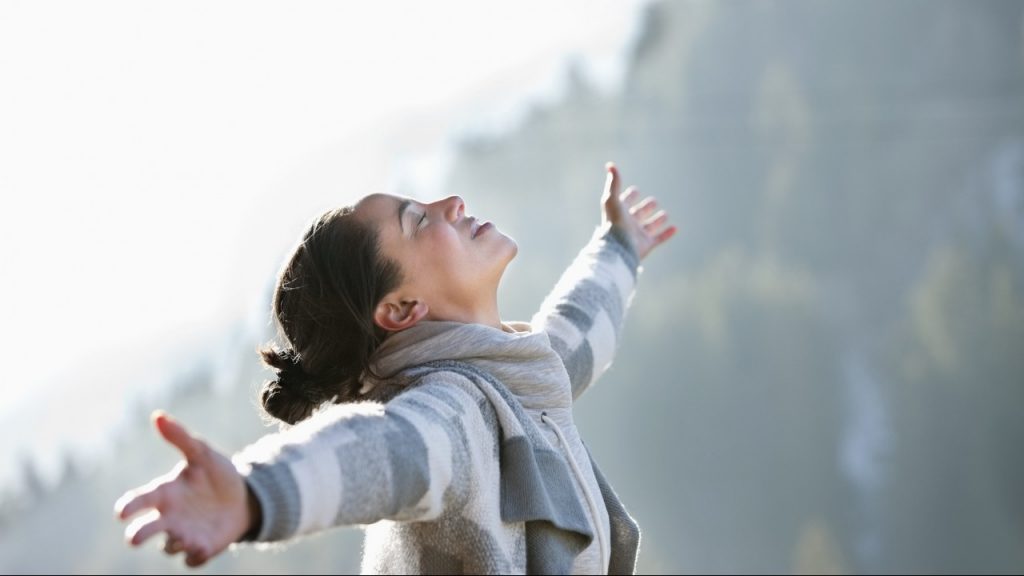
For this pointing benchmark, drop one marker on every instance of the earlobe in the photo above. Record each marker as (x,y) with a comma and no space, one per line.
(395,316)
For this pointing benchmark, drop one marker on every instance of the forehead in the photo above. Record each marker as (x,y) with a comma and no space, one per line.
(380,210)
(377,202)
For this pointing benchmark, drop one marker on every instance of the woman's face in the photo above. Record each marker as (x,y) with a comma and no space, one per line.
(449,261)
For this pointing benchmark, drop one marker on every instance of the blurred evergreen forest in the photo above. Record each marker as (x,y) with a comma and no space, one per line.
(823,372)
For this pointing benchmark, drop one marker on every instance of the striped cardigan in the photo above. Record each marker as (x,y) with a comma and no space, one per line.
(464,457)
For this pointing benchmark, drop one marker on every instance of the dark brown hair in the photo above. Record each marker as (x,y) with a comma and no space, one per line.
(323,305)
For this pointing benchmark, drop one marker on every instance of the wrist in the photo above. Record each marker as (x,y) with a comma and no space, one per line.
(253,516)
(620,237)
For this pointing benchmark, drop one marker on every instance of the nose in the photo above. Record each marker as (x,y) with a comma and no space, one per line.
(453,207)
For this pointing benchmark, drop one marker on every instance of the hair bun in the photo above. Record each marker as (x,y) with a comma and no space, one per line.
(293,395)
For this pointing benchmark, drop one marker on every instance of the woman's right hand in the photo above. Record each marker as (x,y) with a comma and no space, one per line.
(202,504)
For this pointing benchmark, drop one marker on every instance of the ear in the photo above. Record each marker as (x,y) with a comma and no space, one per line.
(394,314)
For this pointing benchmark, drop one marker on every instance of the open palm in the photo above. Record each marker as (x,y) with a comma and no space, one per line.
(640,221)
(202,504)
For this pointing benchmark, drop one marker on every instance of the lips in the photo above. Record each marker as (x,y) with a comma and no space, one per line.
(476,227)
(480,229)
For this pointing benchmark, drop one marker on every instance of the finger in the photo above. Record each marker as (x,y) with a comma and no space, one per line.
(173,545)
(630,196)
(134,501)
(196,558)
(611,182)
(641,210)
(664,235)
(192,448)
(144,527)
(656,221)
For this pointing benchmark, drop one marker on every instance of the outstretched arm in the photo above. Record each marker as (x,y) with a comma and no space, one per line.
(585,312)
(351,464)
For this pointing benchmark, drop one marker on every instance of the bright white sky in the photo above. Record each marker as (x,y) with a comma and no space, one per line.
(135,138)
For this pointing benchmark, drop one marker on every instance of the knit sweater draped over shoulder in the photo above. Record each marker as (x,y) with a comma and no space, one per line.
(464,457)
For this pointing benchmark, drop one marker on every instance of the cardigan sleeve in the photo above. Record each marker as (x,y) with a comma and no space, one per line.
(585,312)
(360,463)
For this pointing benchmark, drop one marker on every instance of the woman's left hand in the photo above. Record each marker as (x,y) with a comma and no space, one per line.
(639,221)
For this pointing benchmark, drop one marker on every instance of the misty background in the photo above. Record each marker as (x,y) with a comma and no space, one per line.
(823,372)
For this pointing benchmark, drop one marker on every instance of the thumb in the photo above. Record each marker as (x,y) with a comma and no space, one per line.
(611,183)
(610,200)
(172,431)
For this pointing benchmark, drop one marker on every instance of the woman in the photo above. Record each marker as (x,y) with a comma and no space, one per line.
(415,408)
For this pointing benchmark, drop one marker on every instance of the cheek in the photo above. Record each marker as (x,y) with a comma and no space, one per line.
(443,241)
(441,251)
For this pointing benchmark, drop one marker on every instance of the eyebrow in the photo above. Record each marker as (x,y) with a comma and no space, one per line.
(401,213)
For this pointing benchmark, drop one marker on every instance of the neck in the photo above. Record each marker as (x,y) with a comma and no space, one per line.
(485,313)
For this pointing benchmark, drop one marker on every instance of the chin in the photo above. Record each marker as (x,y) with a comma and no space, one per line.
(513,248)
